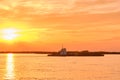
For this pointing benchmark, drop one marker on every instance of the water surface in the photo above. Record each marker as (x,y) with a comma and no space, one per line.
(42,67)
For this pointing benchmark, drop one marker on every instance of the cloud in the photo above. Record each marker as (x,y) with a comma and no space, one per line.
(40,7)
(109,7)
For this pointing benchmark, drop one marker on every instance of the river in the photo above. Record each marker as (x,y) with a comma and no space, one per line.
(42,67)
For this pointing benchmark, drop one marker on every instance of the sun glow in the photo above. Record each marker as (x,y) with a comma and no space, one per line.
(10,34)
(15,32)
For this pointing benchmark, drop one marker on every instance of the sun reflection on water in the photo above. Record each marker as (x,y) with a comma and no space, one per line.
(10,67)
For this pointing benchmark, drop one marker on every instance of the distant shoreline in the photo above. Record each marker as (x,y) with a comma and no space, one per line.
(50,52)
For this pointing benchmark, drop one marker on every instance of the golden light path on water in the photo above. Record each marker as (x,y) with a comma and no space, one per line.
(10,67)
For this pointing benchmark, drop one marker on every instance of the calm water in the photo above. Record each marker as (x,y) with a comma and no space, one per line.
(41,67)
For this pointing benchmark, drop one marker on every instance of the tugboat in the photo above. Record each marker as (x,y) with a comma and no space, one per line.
(62,52)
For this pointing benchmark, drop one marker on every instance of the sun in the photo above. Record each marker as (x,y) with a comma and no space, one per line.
(10,34)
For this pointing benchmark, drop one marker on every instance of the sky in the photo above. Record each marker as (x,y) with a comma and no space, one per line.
(46,25)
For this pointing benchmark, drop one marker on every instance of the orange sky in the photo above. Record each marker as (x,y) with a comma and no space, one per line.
(47,24)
